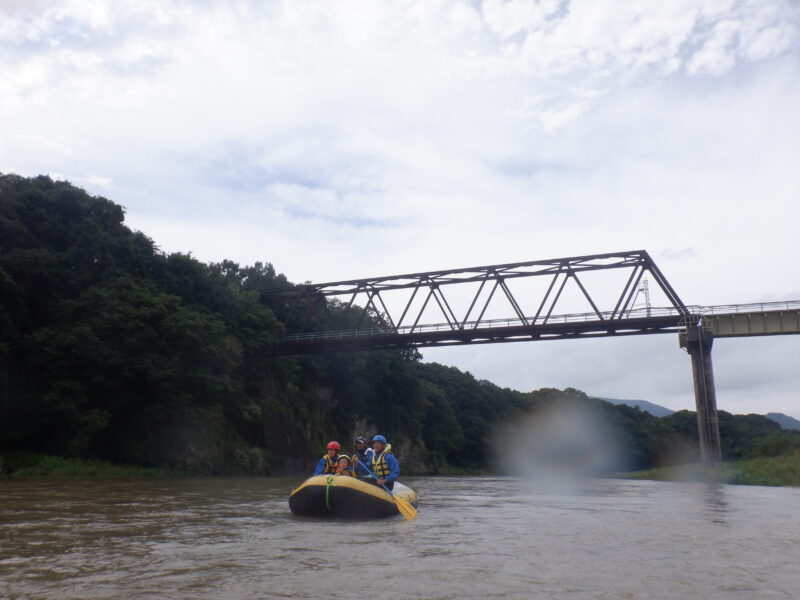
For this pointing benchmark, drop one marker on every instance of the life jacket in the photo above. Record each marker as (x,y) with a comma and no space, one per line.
(379,466)
(347,473)
(330,463)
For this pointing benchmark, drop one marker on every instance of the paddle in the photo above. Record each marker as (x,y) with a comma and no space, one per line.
(403,505)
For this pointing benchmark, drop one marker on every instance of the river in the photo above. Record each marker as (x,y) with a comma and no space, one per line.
(480,537)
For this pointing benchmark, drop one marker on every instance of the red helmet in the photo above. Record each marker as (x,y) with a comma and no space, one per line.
(334,445)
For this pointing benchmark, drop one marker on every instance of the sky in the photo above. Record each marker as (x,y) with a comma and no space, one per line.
(350,139)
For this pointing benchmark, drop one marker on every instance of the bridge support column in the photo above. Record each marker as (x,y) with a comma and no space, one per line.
(697,343)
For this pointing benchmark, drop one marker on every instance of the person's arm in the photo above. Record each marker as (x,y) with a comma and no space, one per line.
(360,468)
(366,467)
(320,466)
(394,468)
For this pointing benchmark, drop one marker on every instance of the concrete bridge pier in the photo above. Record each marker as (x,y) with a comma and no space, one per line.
(697,342)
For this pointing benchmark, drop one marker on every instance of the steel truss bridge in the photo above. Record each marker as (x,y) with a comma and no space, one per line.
(355,314)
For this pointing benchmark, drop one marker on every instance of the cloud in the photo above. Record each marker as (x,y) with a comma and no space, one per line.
(293,55)
(718,52)
(679,254)
(509,18)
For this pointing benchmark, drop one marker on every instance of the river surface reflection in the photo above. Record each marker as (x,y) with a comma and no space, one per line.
(480,537)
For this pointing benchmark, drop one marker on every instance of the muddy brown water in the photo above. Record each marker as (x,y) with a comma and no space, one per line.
(479,537)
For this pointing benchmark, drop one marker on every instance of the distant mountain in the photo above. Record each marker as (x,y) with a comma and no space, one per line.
(783,420)
(653,409)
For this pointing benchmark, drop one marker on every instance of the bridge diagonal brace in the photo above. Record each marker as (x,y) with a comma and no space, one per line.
(298,300)
(558,295)
(627,307)
(370,303)
(546,296)
(664,284)
(629,290)
(408,304)
(513,301)
(451,319)
(588,297)
(474,301)
(385,310)
(486,305)
(347,309)
(327,317)
(422,310)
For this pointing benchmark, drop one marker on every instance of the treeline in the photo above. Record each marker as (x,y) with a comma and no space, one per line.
(113,349)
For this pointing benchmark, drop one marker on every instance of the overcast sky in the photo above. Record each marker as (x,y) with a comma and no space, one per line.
(350,139)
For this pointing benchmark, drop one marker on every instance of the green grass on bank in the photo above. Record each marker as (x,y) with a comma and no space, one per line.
(775,470)
(23,464)
(17,464)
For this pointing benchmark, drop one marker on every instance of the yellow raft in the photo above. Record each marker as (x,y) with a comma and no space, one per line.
(347,497)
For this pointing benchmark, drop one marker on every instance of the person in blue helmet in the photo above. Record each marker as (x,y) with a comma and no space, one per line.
(383,464)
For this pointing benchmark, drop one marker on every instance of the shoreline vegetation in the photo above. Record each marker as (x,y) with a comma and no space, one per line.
(24,465)
(781,470)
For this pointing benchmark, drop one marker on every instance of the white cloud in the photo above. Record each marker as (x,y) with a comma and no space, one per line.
(718,53)
(507,18)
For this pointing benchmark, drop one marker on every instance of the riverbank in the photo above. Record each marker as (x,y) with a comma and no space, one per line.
(783,470)
(41,465)
(23,464)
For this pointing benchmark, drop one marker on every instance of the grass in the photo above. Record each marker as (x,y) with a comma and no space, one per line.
(41,465)
(775,471)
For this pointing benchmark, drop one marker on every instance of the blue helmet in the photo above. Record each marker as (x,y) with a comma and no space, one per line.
(379,438)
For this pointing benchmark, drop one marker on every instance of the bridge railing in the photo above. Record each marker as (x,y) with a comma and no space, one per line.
(748,308)
(638,313)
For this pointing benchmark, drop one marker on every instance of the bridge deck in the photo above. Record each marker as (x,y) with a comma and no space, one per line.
(777,318)
(743,324)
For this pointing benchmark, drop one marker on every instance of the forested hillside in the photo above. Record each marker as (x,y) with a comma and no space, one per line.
(112,349)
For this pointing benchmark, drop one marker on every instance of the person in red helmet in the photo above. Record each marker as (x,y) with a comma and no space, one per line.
(327,464)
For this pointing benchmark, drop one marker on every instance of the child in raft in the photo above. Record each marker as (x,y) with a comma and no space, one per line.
(343,467)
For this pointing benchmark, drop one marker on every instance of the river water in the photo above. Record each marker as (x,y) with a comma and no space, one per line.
(473,538)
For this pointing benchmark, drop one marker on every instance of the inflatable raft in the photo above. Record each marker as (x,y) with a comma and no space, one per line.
(347,497)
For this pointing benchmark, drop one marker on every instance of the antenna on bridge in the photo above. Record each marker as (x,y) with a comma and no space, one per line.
(644,291)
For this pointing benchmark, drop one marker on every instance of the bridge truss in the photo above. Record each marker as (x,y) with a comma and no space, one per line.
(356,315)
